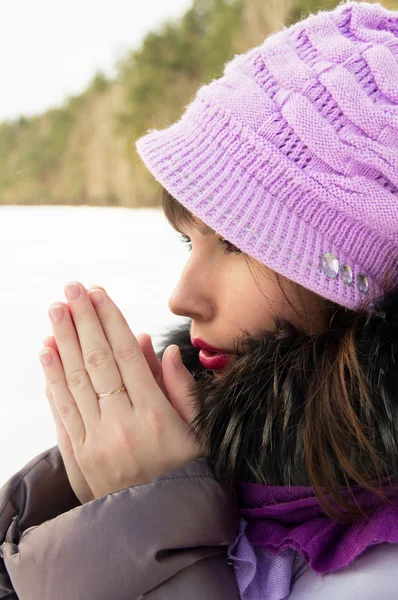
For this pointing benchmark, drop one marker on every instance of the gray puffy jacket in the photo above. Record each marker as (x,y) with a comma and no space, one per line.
(162,541)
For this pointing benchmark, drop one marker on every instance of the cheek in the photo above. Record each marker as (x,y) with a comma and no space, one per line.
(248,304)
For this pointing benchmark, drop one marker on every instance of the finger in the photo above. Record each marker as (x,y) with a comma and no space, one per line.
(133,367)
(63,438)
(61,398)
(145,342)
(61,431)
(180,384)
(49,342)
(71,359)
(76,478)
(98,358)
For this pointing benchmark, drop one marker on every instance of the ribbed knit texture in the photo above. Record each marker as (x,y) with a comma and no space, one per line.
(293,152)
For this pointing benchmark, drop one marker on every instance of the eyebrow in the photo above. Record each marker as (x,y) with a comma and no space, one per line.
(205,229)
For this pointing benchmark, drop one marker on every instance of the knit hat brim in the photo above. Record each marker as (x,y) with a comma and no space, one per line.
(191,159)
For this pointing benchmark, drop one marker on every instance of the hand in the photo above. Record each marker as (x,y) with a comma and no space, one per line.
(126,439)
(76,478)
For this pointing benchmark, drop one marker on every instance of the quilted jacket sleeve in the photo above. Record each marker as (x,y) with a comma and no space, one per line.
(166,539)
(21,509)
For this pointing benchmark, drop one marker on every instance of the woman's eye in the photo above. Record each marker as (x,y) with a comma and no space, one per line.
(185,240)
(228,247)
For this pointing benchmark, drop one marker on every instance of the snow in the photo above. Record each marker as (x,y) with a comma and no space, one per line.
(133,253)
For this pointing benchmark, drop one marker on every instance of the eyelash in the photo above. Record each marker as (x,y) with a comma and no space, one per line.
(228,247)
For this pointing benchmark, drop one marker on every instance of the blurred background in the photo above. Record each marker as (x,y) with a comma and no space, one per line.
(82,80)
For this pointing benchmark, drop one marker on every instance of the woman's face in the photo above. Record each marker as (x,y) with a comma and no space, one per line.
(223,295)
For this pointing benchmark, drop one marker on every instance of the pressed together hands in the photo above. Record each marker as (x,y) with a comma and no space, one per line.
(129,438)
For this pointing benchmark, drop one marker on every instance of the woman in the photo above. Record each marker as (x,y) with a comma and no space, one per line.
(265,465)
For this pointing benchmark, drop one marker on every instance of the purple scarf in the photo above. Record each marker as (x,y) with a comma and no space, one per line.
(277,521)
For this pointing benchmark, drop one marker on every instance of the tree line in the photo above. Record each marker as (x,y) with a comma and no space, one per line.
(83,151)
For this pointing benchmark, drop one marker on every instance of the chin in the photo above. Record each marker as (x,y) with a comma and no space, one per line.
(219,372)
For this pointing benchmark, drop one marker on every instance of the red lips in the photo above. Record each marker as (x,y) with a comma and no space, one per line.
(214,361)
(211,357)
(198,343)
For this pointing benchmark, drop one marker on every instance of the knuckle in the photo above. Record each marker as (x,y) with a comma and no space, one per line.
(126,352)
(99,359)
(108,317)
(54,379)
(85,315)
(156,421)
(78,380)
(125,438)
(91,455)
(64,410)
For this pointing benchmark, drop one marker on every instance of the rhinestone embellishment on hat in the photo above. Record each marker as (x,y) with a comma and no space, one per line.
(363,283)
(346,274)
(331,268)
(330,265)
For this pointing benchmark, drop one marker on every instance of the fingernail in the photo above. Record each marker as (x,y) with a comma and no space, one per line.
(97,287)
(57,312)
(46,358)
(72,290)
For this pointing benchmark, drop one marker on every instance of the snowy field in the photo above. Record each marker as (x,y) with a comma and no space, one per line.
(134,254)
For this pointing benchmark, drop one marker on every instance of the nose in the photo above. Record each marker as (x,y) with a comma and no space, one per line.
(193,296)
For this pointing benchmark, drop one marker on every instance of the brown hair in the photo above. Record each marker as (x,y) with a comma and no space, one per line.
(339,440)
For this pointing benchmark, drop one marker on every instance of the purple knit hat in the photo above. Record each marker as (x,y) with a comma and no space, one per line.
(292,155)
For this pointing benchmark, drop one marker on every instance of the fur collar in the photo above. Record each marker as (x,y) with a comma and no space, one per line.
(252,417)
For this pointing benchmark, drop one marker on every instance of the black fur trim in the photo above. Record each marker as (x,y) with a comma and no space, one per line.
(252,416)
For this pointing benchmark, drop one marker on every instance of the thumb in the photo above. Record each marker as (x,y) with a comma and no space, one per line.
(179,382)
(145,342)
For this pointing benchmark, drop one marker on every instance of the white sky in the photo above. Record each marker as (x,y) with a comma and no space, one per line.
(50,49)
